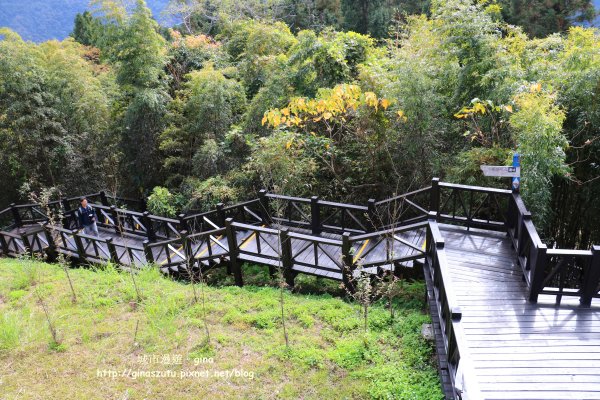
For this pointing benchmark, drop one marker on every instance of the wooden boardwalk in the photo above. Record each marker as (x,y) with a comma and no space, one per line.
(512,319)
(519,350)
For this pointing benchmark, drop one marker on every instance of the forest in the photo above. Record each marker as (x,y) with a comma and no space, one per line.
(345,99)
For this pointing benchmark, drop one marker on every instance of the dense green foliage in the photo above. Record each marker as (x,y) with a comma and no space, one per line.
(374,17)
(226,104)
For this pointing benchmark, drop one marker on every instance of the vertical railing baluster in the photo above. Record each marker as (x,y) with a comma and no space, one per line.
(112,250)
(78,245)
(538,272)
(315,215)
(220,215)
(372,216)
(348,266)
(591,280)
(434,199)
(286,257)
(233,252)
(148,252)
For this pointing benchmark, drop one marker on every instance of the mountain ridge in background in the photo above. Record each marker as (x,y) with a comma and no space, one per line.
(40,20)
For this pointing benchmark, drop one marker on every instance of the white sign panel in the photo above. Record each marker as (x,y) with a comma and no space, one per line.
(501,171)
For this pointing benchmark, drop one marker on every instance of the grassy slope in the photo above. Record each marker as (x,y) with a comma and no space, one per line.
(329,356)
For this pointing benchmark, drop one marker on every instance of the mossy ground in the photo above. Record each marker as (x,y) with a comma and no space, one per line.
(330,355)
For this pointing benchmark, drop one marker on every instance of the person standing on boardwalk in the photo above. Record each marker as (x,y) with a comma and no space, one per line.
(87,218)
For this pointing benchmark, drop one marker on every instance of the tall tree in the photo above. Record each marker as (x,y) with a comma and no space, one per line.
(540,18)
(138,51)
(54,112)
(86,28)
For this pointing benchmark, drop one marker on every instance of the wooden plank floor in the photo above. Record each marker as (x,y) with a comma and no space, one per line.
(520,350)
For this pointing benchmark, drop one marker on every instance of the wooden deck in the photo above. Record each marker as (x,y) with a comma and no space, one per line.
(519,350)
(262,249)
(512,318)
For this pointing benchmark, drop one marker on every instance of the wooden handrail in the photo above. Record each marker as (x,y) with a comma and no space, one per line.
(474,188)
(288,198)
(242,204)
(404,195)
(568,252)
(315,239)
(353,207)
(255,228)
(400,229)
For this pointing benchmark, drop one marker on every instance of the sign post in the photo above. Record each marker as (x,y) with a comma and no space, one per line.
(504,171)
(516,180)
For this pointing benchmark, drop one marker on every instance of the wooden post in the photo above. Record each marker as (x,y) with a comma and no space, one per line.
(116,220)
(188,251)
(149,226)
(183,225)
(51,251)
(4,245)
(233,252)
(591,278)
(148,252)
(520,231)
(67,212)
(264,207)
(434,200)
(104,199)
(79,245)
(65,205)
(143,205)
(112,250)
(315,215)
(372,215)
(539,269)
(26,243)
(220,215)
(347,263)
(286,257)
(16,215)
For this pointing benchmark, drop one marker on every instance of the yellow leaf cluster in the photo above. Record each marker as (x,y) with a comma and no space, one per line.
(402,116)
(535,88)
(332,106)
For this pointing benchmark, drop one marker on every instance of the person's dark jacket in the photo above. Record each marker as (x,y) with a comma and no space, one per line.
(87,216)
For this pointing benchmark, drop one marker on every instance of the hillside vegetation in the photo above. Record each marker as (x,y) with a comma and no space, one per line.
(108,340)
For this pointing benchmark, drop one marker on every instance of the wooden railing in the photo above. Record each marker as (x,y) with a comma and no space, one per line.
(315,214)
(470,206)
(145,224)
(448,306)
(205,221)
(338,218)
(168,253)
(12,244)
(558,272)
(449,313)
(291,211)
(206,247)
(406,208)
(398,246)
